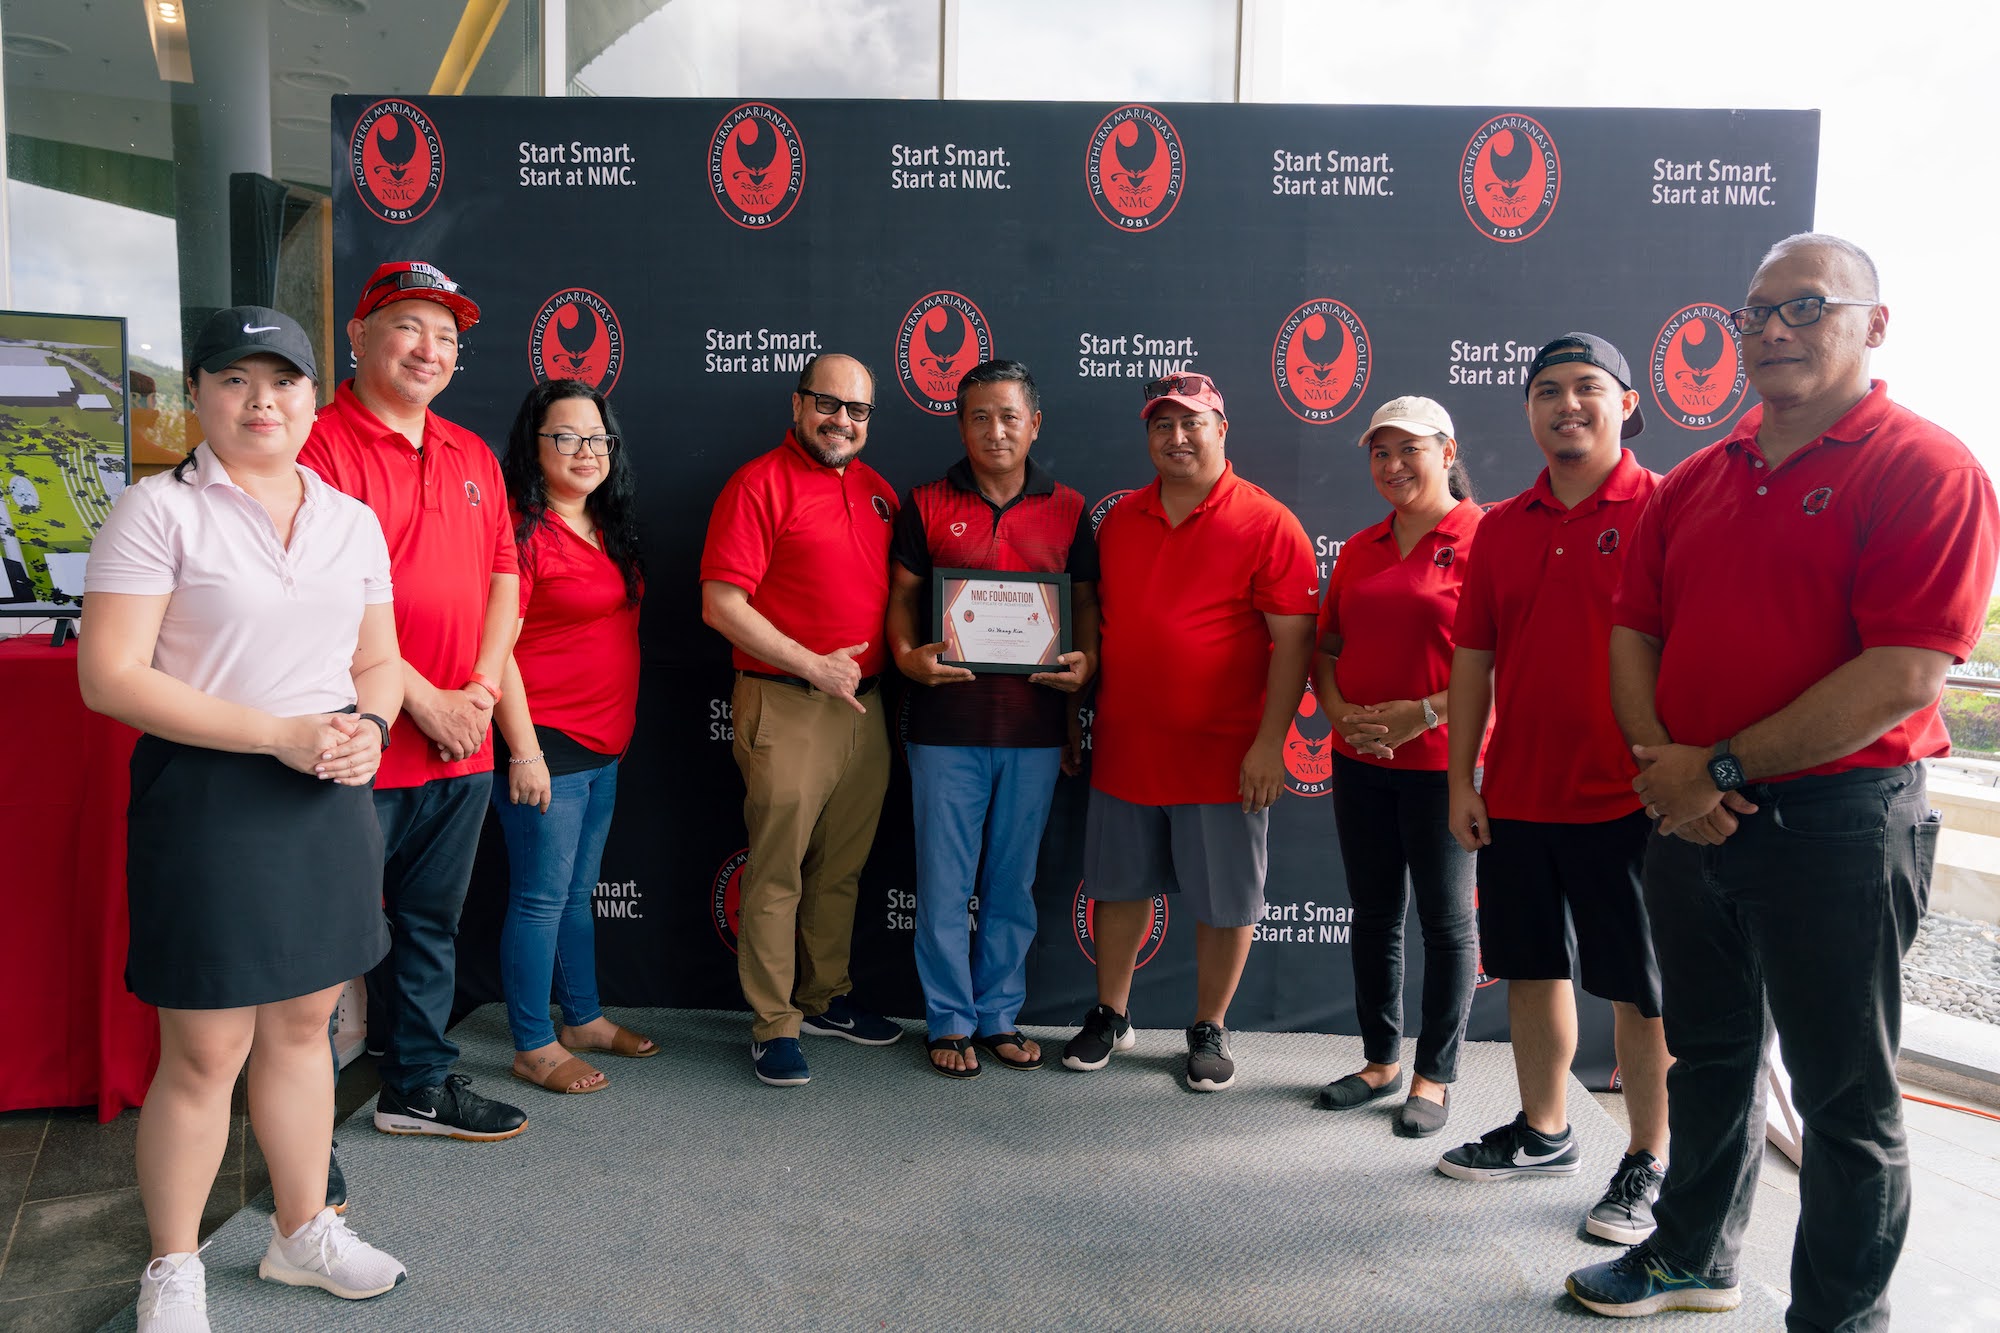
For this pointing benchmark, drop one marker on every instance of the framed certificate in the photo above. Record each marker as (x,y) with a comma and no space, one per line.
(1001,620)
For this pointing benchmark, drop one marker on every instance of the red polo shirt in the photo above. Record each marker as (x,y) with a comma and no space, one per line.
(444,512)
(1538,596)
(1394,614)
(579,645)
(810,544)
(1760,581)
(1185,650)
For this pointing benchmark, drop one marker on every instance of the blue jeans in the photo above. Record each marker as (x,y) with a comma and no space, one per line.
(1798,922)
(549,940)
(969,799)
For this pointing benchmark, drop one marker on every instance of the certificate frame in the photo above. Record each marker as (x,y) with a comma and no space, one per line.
(951,590)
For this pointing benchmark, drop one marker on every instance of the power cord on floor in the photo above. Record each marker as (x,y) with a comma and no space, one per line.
(1949,1106)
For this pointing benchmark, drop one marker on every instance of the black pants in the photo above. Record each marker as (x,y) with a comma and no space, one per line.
(1394,835)
(1800,920)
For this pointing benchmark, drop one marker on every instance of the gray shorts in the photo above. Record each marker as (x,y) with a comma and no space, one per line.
(1214,854)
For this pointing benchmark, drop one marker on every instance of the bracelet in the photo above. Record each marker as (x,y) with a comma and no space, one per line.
(485,682)
(534,758)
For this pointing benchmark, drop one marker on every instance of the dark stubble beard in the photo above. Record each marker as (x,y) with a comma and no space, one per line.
(831,457)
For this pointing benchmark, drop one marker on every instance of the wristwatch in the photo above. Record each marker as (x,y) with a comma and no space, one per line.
(1724,770)
(1430,714)
(382,725)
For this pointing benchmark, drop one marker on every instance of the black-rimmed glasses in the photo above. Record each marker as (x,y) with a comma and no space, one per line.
(568,442)
(1192,386)
(828,406)
(1795,313)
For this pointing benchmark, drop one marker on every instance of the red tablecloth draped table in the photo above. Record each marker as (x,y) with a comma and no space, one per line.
(76,1035)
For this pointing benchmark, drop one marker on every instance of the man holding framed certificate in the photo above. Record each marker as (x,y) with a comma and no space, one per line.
(1006,556)
(1208,602)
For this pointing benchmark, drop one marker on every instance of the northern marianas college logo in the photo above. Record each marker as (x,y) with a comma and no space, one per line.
(726,897)
(576,336)
(397,160)
(943,336)
(1135,167)
(1083,915)
(1320,361)
(756,166)
(1698,371)
(1509,178)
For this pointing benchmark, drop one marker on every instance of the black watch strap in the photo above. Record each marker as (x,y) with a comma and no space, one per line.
(381,724)
(1724,769)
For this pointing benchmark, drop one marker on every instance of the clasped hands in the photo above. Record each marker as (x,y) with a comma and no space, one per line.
(1377,729)
(1675,784)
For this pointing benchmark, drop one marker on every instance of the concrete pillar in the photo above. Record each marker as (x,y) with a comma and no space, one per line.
(222,123)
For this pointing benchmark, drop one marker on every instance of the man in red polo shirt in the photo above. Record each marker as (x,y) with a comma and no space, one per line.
(1795,596)
(1207,597)
(1558,832)
(437,490)
(985,748)
(795,574)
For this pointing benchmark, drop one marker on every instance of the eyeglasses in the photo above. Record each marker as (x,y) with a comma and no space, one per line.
(568,442)
(1796,313)
(1192,386)
(828,406)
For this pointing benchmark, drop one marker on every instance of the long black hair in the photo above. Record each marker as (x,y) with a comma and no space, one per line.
(613,506)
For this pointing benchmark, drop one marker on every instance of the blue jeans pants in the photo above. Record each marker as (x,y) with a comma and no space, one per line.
(1798,922)
(971,800)
(549,939)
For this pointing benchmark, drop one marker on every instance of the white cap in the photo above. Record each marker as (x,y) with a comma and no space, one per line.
(1419,416)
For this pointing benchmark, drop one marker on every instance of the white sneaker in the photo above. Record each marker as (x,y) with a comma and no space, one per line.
(173,1295)
(324,1253)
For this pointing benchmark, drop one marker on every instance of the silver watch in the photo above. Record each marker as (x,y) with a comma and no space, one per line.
(1430,714)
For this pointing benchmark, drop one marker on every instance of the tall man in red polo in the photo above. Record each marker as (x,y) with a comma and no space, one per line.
(1208,592)
(795,574)
(436,487)
(1794,599)
(1559,834)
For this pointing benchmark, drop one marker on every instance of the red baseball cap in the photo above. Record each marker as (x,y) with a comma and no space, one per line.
(414,280)
(1197,393)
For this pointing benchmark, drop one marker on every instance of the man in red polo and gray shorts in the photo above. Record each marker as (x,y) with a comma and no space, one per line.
(1559,833)
(1208,593)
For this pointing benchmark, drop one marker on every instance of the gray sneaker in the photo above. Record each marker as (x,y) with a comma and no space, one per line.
(1209,1068)
(325,1254)
(1625,1213)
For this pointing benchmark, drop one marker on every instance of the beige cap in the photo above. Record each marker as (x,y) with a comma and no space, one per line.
(1419,416)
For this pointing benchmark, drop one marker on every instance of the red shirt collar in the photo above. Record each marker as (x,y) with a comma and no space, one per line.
(1149,497)
(1459,520)
(1623,484)
(367,425)
(1859,423)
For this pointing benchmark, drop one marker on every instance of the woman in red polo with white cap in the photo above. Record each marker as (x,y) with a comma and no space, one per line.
(1383,664)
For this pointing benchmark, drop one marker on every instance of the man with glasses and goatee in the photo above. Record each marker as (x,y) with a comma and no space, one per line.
(1208,592)
(1794,598)
(795,574)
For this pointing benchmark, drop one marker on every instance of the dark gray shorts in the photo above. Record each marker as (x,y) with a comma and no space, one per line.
(1212,854)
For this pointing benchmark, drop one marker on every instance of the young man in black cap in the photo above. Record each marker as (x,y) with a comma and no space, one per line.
(1559,832)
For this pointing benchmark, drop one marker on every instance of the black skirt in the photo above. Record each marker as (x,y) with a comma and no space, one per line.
(248,882)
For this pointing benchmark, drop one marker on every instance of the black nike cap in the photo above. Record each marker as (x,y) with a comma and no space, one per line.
(252,330)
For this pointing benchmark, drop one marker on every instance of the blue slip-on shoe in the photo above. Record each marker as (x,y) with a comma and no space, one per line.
(780,1062)
(1640,1282)
(844,1018)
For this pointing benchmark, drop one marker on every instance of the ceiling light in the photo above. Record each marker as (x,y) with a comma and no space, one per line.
(314,80)
(168,11)
(26,44)
(166,24)
(330,8)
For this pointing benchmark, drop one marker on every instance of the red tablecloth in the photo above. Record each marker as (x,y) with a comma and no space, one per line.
(76,1035)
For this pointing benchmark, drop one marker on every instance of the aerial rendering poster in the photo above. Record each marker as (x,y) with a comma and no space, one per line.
(65,441)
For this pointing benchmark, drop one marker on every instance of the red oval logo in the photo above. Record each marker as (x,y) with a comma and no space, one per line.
(576,336)
(726,898)
(1135,167)
(396,158)
(943,336)
(1309,749)
(1083,914)
(1103,507)
(1509,178)
(1320,361)
(1698,370)
(756,166)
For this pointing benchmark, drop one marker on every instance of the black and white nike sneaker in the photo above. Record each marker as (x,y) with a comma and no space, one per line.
(1513,1150)
(452,1109)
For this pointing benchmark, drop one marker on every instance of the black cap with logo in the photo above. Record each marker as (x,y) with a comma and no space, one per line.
(251,330)
(1599,352)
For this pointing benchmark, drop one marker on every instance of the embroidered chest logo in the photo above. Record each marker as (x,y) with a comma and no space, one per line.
(1607,541)
(958,529)
(1817,501)
(1445,555)
(881,507)
(472,493)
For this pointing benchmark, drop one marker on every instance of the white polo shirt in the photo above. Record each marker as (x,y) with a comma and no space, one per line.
(248,620)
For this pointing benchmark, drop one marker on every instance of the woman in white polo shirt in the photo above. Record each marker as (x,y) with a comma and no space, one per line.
(237,612)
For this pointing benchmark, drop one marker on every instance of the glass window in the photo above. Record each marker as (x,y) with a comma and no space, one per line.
(755,48)
(1059,50)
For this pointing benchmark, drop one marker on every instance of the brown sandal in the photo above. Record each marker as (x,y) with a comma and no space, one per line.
(626,1043)
(563,1075)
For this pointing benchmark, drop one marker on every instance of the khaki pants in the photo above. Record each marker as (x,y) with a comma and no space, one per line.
(814,773)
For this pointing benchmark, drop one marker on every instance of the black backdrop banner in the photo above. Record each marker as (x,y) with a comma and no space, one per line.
(688,256)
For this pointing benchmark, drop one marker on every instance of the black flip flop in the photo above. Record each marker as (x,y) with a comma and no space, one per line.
(993,1041)
(959,1044)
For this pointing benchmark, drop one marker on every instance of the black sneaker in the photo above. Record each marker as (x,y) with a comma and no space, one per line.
(1209,1068)
(1625,1213)
(1104,1030)
(846,1019)
(452,1109)
(336,1183)
(1513,1150)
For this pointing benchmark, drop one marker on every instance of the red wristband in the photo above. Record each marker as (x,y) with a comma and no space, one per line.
(485,682)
